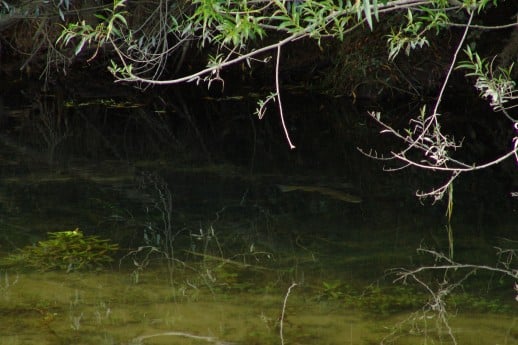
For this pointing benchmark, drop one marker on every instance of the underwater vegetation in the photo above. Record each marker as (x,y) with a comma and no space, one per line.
(64,250)
(386,300)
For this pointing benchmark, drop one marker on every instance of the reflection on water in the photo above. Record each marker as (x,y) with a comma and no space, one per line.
(219,271)
(108,308)
(209,250)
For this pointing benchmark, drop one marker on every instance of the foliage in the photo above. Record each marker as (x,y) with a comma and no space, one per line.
(231,26)
(496,86)
(65,250)
(105,31)
(243,31)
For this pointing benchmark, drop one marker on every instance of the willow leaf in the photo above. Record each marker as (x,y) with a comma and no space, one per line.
(368,13)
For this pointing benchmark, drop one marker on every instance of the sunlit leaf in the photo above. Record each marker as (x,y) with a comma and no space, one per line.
(368,13)
(79,46)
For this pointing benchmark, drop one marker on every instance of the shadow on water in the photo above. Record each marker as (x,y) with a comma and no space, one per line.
(215,218)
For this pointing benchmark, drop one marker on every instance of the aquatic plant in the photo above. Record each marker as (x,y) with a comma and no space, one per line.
(159,231)
(141,258)
(384,300)
(478,303)
(376,299)
(75,321)
(6,284)
(330,291)
(65,250)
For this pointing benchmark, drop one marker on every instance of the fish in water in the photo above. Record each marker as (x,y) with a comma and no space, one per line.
(332,193)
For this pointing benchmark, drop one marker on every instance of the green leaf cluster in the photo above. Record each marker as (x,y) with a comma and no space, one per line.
(412,35)
(227,22)
(238,22)
(496,86)
(65,250)
(105,31)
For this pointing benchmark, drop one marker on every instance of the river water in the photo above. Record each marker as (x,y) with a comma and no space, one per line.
(215,248)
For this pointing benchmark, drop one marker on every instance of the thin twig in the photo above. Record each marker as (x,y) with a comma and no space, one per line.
(138,340)
(452,65)
(278,90)
(281,325)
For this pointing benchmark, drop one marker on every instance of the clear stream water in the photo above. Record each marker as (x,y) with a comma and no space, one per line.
(234,243)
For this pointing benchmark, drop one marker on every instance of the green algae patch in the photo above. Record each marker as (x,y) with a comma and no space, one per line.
(64,250)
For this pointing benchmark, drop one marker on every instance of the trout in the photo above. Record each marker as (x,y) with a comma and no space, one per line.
(332,193)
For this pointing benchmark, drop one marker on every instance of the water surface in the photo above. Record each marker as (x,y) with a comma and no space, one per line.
(210,245)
